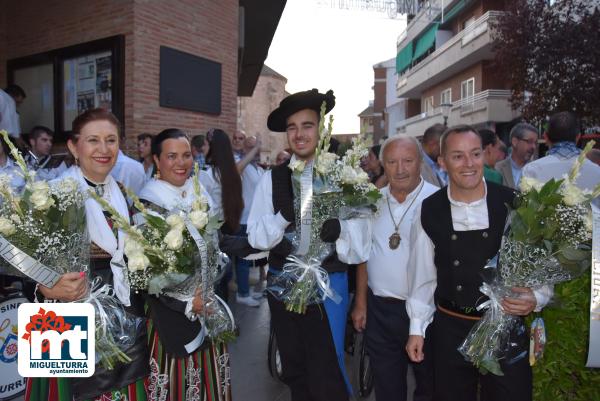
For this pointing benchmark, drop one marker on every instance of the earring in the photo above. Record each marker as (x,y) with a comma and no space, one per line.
(157,175)
(77,162)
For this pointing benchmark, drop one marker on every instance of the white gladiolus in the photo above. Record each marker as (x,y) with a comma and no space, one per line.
(326,162)
(199,219)
(527,184)
(174,239)
(297,166)
(137,261)
(176,222)
(6,226)
(572,194)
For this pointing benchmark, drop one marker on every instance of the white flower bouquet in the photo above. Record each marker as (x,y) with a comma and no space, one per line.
(549,242)
(47,223)
(334,188)
(176,254)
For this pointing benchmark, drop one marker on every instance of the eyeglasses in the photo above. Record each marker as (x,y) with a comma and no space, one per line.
(529,141)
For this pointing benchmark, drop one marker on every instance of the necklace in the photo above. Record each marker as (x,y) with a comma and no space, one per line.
(395,239)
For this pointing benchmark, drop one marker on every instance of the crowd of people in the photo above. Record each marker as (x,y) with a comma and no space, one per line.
(440,218)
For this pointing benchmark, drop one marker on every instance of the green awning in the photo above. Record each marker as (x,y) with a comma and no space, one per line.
(454,10)
(404,58)
(425,42)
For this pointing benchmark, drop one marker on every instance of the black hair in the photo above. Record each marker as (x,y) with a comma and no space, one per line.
(15,90)
(488,137)
(220,156)
(563,127)
(433,133)
(376,149)
(169,133)
(144,136)
(198,142)
(39,130)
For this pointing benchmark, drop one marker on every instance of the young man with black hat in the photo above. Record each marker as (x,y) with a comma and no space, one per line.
(459,230)
(310,344)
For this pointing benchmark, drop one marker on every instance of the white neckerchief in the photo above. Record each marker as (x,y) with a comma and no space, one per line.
(169,196)
(100,232)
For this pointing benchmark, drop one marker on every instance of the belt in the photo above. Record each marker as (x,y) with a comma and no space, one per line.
(390,300)
(449,309)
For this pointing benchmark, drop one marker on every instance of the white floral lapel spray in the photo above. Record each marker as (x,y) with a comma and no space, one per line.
(297,166)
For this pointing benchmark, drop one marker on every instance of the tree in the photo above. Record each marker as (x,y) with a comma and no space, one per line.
(550,52)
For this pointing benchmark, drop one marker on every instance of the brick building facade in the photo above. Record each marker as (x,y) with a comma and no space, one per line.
(207,29)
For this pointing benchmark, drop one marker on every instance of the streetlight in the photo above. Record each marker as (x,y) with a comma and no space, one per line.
(446,107)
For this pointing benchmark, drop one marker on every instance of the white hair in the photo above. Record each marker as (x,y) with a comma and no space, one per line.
(401,138)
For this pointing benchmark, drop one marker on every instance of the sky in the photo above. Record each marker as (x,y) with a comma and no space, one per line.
(318,45)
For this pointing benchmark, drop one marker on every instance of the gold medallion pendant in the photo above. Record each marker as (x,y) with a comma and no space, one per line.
(394,240)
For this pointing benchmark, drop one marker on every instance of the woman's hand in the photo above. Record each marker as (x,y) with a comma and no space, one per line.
(198,302)
(70,287)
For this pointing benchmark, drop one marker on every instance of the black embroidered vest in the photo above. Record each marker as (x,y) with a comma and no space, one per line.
(460,256)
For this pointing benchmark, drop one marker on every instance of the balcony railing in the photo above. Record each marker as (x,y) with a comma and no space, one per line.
(462,107)
(467,35)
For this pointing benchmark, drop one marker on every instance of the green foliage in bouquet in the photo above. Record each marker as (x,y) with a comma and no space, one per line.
(561,374)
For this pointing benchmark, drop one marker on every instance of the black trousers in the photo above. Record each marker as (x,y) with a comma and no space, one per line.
(458,380)
(308,358)
(386,335)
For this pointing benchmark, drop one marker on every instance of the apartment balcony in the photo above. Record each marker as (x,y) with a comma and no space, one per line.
(483,107)
(473,44)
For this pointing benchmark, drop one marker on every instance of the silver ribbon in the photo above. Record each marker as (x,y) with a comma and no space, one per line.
(306,198)
(28,265)
(593,360)
(299,268)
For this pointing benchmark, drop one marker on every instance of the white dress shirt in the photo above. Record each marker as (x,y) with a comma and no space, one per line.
(9,119)
(129,172)
(422,274)
(266,229)
(386,267)
(250,178)
(213,187)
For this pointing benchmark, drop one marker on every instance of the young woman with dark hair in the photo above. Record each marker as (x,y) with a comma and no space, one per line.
(222,175)
(178,347)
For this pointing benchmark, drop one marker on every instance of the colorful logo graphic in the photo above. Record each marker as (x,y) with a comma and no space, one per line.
(56,340)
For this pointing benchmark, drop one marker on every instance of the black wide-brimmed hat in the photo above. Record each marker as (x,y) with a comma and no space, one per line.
(311,99)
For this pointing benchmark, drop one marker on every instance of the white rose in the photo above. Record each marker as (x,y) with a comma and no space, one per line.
(527,184)
(40,186)
(41,200)
(199,219)
(348,175)
(6,226)
(174,239)
(572,195)
(326,162)
(132,247)
(137,261)
(361,175)
(297,166)
(176,222)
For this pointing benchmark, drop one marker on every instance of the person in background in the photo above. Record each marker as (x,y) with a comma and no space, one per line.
(11,97)
(200,148)
(382,285)
(222,174)
(562,136)
(282,157)
(491,155)
(237,145)
(523,141)
(129,172)
(373,167)
(144,148)
(430,169)
(39,157)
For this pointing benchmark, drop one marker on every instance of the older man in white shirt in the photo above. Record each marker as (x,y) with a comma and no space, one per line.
(459,229)
(382,285)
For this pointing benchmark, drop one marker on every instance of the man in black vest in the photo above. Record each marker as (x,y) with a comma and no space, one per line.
(459,231)
(310,344)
